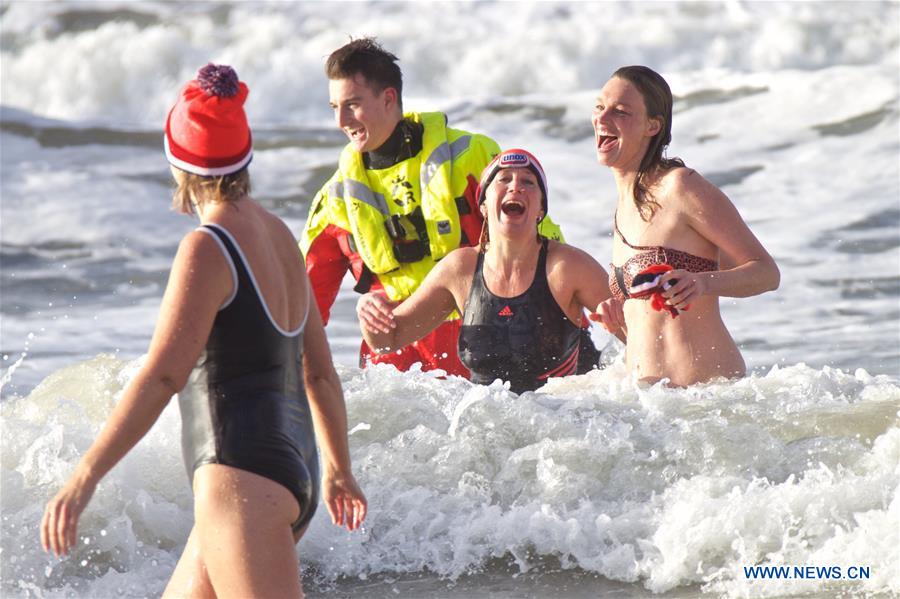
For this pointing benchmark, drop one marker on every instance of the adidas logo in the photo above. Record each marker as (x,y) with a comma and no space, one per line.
(505,312)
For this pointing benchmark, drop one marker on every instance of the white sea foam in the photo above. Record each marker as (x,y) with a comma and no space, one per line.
(661,486)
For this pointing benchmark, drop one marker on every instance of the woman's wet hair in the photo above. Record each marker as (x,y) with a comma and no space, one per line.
(658,100)
(366,57)
(214,189)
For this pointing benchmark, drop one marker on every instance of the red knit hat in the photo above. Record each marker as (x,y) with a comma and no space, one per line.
(513,158)
(207,132)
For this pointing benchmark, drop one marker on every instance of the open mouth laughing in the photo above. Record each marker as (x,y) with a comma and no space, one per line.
(512,208)
(605,143)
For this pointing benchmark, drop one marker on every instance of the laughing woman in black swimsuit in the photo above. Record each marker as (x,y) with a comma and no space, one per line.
(522,296)
(670,217)
(239,327)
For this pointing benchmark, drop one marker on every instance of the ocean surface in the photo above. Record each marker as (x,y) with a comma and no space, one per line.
(595,486)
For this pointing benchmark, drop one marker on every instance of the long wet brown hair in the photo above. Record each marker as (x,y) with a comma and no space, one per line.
(658,100)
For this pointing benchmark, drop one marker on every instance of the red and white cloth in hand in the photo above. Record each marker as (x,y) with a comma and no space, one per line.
(646,284)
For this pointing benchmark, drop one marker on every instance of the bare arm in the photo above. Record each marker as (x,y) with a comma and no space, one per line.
(343,498)
(713,216)
(387,325)
(198,284)
(591,280)
(592,292)
(574,273)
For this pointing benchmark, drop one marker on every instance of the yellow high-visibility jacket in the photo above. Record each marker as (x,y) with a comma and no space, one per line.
(390,226)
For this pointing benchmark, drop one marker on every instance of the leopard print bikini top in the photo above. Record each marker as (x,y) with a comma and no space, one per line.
(621,276)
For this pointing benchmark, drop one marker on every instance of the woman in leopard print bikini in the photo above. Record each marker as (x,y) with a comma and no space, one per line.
(681,220)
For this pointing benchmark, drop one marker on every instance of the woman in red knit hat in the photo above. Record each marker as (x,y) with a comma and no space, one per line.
(242,343)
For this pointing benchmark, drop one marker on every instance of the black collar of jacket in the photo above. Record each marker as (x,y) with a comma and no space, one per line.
(404,143)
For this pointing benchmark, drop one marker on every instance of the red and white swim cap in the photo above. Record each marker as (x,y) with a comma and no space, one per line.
(513,158)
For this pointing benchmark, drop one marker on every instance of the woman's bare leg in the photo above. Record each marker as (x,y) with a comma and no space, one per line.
(190,578)
(243,524)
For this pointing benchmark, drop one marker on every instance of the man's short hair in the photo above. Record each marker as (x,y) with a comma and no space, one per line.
(366,57)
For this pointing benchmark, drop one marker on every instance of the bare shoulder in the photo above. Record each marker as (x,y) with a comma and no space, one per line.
(568,259)
(692,190)
(564,253)
(201,265)
(681,179)
(275,224)
(282,234)
(199,246)
(453,273)
(460,261)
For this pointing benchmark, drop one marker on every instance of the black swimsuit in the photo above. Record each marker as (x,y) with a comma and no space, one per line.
(245,405)
(524,339)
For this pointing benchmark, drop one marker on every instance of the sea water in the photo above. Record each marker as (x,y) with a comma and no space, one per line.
(591,482)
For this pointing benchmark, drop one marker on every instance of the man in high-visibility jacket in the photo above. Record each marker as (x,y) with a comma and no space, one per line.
(403,196)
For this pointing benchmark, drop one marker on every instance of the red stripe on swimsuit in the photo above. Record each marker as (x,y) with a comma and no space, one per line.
(568,366)
(620,276)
